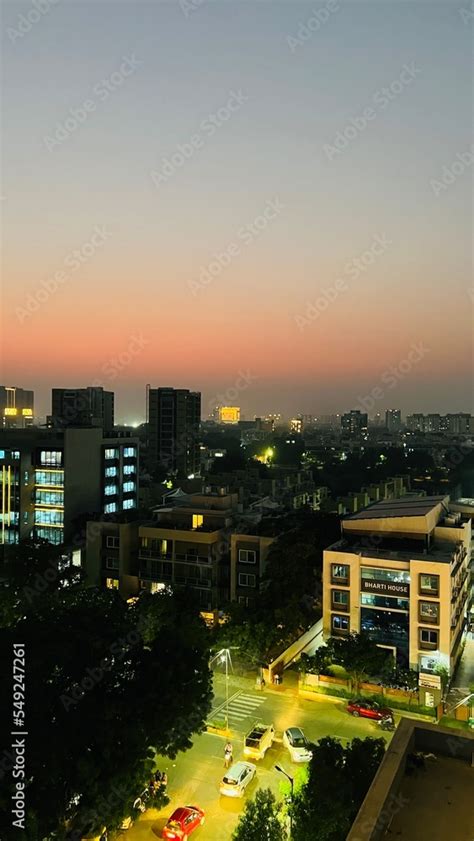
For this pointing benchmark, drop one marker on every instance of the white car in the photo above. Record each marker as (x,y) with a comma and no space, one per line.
(237,779)
(297,745)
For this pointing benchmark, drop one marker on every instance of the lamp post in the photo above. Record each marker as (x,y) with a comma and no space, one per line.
(280,769)
(223,656)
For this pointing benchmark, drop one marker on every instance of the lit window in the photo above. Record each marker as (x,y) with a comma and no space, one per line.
(429,612)
(246,580)
(128,487)
(2,454)
(129,452)
(340,572)
(198,520)
(429,584)
(129,469)
(15,453)
(129,503)
(340,624)
(112,583)
(110,490)
(111,453)
(51,457)
(110,508)
(247,556)
(110,472)
(49,477)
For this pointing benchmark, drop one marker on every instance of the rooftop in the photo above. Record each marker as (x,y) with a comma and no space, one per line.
(403,507)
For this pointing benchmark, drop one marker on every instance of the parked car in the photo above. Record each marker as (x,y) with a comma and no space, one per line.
(183,822)
(237,779)
(368,709)
(296,743)
(257,742)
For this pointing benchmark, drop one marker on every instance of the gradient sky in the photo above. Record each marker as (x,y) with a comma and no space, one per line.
(139,281)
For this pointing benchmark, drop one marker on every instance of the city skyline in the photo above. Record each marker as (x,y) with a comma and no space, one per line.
(191,194)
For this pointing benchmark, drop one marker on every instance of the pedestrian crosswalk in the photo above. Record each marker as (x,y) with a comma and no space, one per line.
(241,706)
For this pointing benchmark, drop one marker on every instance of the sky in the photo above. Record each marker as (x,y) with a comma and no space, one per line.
(270,202)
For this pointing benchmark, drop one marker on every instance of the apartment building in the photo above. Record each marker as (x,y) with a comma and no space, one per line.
(248,555)
(174,417)
(89,406)
(17,407)
(459,423)
(49,478)
(401,573)
(354,423)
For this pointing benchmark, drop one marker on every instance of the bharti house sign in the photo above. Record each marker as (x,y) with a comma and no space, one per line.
(385,588)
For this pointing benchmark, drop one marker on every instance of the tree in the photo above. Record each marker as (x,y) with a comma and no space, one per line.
(260,820)
(108,686)
(402,678)
(339,778)
(317,663)
(360,656)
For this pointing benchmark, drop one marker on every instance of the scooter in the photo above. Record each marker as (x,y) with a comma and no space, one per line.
(387,723)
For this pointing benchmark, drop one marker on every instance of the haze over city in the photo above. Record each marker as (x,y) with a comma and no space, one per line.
(203,178)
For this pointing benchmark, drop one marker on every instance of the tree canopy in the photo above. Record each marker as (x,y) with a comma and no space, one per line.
(338,780)
(261,820)
(108,686)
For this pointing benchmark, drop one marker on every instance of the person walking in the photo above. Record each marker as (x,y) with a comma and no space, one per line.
(227,754)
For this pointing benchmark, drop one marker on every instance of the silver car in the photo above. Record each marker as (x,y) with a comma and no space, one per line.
(237,778)
(297,744)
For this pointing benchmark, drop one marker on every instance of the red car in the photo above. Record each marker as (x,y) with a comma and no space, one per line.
(183,822)
(368,709)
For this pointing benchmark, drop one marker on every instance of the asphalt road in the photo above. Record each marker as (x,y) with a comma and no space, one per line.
(194,777)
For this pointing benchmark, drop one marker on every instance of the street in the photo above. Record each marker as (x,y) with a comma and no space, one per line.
(194,777)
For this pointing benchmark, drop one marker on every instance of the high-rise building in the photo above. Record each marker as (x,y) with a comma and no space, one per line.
(393,420)
(16,407)
(460,423)
(296,425)
(48,478)
(89,406)
(174,418)
(354,422)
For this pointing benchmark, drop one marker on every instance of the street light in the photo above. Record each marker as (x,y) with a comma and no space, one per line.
(280,769)
(224,656)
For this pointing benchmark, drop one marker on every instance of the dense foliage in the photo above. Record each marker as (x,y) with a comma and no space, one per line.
(261,820)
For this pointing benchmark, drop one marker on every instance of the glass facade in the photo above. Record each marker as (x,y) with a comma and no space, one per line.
(54,536)
(49,497)
(49,477)
(384,601)
(387,627)
(387,575)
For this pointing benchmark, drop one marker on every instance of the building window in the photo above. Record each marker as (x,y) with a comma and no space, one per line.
(428,612)
(198,520)
(129,503)
(111,563)
(49,477)
(340,573)
(128,487)
(110,508)
(129,469)
(111,453)
(55,536)
(247,556)
(43,497)
(49,517)
(51,457)
(112,583)
(110,490)
(246,580)
(110,472)
(339,624)
(244,600)
(429,585)
(16,453)
(340,599)
(129,452)
(428,638)
(112,542)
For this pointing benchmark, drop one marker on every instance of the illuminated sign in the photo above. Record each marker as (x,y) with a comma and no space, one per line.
(10,412)
(229,414)
(385,588)
(27,413)
(429,681)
